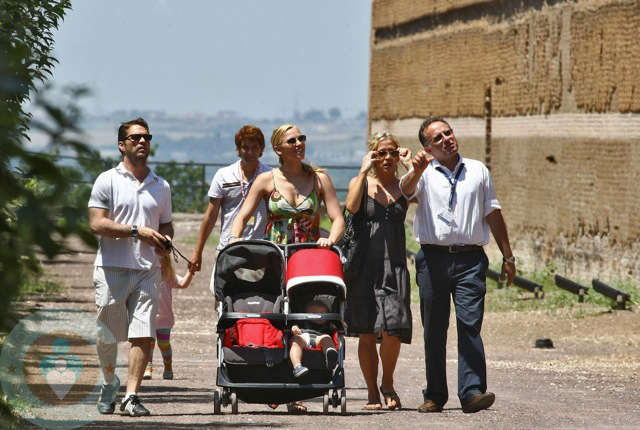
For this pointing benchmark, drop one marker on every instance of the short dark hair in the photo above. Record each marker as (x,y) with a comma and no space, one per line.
(249,133)
(426,123)
(124,127)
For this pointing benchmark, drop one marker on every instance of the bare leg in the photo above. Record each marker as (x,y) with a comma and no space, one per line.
(368,357)
(107,353)
(295,354)
(325,342)
(389,352)
(138,358)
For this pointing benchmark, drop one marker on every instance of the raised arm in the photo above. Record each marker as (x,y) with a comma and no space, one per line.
(499,231)
(262,186)
(418,163)
(208,222)
(333,210)
(356,185)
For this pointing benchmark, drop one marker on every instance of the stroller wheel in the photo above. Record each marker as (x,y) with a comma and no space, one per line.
(343,402)
(216,402)
(335,400)
(234,403)
(325,403)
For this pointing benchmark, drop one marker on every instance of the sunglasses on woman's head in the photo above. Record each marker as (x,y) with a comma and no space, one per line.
(383,153)
(292,141)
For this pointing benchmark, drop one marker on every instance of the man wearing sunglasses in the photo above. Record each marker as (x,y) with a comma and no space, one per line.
(457,206)
(130,209)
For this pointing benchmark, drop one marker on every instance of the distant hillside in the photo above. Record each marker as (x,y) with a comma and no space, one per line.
(332,140)
(194,137)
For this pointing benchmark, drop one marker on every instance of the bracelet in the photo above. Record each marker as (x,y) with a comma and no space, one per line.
(511,259)
(232,238)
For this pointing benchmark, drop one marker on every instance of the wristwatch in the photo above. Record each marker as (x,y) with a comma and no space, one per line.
(134,231)
(511,259)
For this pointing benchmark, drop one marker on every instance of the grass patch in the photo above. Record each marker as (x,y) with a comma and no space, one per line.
(35,284)
(213,240)
(555,300)
(412,245)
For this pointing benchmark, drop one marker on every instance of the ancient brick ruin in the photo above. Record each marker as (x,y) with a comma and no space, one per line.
(547,94)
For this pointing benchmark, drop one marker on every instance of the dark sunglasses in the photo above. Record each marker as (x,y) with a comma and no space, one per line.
(137,137)
(302,139)
(383,153)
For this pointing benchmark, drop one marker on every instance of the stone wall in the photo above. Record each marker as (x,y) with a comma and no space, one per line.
(565,136)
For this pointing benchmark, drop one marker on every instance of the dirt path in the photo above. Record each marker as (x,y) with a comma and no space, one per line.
(590,379)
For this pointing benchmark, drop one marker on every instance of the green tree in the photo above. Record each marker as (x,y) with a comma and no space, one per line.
(35,213)
(188,192)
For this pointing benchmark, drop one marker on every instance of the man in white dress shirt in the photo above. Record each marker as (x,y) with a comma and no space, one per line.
(457,207)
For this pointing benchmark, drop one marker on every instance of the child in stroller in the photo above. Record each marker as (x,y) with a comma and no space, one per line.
(258,307)
(310,334)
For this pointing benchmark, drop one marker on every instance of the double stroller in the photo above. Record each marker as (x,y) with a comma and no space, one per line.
(262,291)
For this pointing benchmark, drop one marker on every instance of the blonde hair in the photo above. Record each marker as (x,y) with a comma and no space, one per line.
(168,273)
(276,140)
(376,140)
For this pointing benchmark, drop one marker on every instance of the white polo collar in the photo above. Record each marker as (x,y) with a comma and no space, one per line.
(151,176)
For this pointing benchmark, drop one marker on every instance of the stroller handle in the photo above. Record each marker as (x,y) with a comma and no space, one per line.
(229,319)
(293,247)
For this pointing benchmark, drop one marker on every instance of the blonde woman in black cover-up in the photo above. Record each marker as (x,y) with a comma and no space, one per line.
(378,301)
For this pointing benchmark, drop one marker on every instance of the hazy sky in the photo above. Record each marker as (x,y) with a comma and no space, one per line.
(257,57)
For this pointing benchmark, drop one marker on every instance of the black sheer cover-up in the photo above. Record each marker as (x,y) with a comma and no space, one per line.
(380,298)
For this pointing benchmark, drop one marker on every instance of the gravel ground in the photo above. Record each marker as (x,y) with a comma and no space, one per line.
(590,379)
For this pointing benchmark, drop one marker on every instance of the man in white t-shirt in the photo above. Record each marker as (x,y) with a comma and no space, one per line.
(457,206)
(229,188)
(130,209)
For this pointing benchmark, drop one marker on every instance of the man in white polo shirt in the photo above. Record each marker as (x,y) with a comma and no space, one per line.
(457,206)
(229,188)
(130,209)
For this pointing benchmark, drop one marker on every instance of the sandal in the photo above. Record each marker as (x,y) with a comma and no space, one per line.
(148,371)
(296,408)
(372,407)
(391,396)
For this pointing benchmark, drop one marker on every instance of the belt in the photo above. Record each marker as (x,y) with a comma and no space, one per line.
(453,249)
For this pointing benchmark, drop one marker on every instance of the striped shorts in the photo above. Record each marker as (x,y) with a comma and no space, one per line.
(127,301)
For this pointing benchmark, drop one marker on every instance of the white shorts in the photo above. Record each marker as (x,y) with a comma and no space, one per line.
(311,339)
(127,301)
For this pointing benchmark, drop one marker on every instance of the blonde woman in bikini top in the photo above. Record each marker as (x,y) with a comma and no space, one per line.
(293,193)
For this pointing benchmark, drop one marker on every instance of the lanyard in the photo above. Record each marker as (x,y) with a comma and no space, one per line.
(244,194)
(452,183)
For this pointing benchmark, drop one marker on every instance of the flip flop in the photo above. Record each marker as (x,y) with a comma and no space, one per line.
(296,408)
(391,395)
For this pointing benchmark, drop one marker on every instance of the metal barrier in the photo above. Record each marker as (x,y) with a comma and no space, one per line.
(572,287)
(613,293)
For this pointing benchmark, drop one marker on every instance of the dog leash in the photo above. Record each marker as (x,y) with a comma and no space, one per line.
(170,246)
